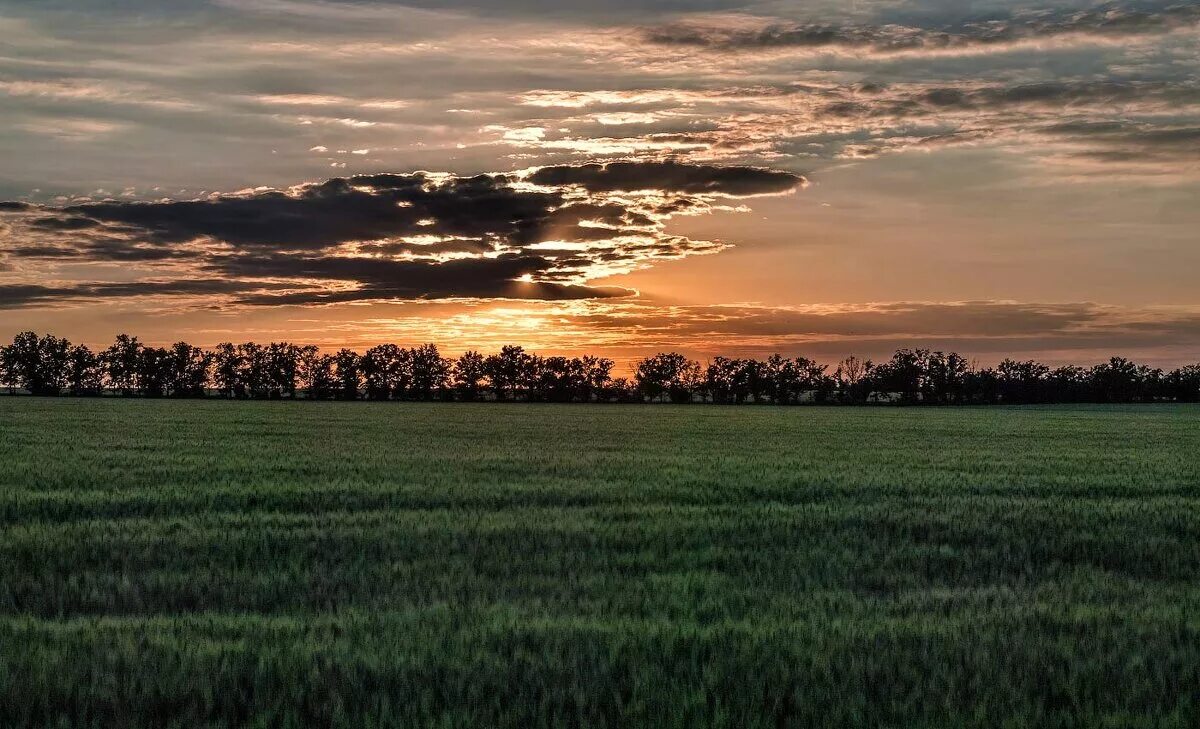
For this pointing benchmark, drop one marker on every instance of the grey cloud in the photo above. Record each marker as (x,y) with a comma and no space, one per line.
(671,177)
(536,290)
(69,223)
(1101,23)
(338,211)
(395,236)
(428,249)
(971,327)
(381,206)
(575,9)
(1114,122)
(378,279)
(1117,141)
(976,318)
(21,295)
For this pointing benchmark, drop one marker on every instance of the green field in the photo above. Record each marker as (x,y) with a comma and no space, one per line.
(209,563)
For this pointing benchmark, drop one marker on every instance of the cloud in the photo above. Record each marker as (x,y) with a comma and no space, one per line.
(916,319)
(387,9)
(537,234)
(376,279)
(1132,142)
(383,206)
(1102,24)
(626,328)
(14,296)
(340,210)
(670,177)
(830,121)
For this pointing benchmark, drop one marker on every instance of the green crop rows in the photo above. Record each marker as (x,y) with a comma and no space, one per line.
(355,564)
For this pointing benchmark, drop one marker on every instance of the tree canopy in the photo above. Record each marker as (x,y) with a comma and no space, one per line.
(49,365)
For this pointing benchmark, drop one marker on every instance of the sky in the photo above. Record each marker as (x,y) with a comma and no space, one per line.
(810,177)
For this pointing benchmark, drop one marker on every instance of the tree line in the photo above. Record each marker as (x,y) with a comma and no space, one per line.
(49,365)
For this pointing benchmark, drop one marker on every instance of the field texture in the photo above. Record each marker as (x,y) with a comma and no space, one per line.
(353,564)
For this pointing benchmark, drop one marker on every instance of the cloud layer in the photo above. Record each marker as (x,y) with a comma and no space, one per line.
(1105,23)
(990,330)
(538,234)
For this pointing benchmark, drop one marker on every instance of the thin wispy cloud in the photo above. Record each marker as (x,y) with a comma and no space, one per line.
(1104,24)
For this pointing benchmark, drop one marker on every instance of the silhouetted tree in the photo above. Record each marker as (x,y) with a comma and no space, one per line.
(386,371)
(318,378)
(122,362)
(154,371)
(48,365)
(559,379)
(670,375)
(1120,380)
(38,364)
(945,378)
(313,372)
(188,370)
(347,365)
(282,370)
(1183,384)
(1068,384)
(1022,382)
(227,371)
(719,378)
(430,372)
(741,380)
(850,377)
(981,386)
(510,371)
(904,374)
(254,371)
(85,372)
(468,374)
(620,389)
(8,375)
(789,381)
(597,374)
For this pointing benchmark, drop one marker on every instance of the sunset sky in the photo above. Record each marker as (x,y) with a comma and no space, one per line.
(812,177)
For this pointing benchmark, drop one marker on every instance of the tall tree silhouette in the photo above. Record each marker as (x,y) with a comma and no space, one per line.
(153,371)
(85,372)
(227,371)
(38,364)
(669,375)
(597,376)
(315,375)
(430,372)
(189,370)
(122,362)
(468,375)
(510,371)
(348,371)
(1183,384)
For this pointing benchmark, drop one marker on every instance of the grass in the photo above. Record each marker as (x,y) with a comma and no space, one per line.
(353,564)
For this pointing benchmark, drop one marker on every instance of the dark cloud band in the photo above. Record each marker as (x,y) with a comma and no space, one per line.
(671,177)
(1102,23)
(540,234)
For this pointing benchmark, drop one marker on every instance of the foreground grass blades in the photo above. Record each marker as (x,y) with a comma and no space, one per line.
(355,564)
